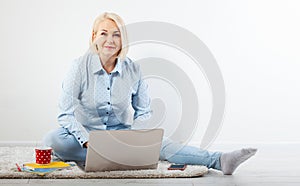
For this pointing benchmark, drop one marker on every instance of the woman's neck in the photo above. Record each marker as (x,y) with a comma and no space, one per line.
(108,63)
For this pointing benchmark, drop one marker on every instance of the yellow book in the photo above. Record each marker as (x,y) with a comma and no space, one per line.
(56,164)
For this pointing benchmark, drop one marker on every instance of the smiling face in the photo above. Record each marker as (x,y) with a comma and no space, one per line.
(108,39)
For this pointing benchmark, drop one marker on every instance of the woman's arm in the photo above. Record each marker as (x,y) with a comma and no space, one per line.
(141,103)
(69,103)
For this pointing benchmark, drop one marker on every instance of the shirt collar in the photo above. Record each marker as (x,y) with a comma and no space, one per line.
(99,68)
(118,67)
(96,64)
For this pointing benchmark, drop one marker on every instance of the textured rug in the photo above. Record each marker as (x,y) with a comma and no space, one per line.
(9,156)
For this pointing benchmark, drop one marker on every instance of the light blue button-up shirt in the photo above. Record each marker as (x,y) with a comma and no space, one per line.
(93,99)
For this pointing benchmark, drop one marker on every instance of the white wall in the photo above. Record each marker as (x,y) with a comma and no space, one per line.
(254,42)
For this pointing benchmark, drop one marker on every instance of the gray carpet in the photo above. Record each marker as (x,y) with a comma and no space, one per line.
(12,155)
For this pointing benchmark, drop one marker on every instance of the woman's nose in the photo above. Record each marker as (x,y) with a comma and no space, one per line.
(110,39)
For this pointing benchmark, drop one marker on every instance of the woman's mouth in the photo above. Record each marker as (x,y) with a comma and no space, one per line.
(109,47)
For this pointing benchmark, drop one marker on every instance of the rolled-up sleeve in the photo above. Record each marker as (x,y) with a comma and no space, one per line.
(69,103)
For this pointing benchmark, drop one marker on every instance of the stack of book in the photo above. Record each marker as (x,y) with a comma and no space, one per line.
(44,169)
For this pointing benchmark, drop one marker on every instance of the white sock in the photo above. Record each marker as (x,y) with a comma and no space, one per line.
(231,160)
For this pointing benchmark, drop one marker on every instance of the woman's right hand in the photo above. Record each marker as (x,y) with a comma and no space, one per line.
(85,145)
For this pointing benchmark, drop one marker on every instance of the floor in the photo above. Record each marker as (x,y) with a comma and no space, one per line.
(274,164)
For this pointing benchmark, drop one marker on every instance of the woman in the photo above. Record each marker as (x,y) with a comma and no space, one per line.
(99,89)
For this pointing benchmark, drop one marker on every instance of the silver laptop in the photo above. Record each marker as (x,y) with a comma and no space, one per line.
(123,150)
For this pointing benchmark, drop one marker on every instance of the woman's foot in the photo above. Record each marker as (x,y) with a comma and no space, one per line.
(231,160)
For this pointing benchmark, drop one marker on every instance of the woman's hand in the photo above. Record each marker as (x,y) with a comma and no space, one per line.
(85,145)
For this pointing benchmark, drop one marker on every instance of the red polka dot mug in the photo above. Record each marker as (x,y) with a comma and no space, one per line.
(43,155)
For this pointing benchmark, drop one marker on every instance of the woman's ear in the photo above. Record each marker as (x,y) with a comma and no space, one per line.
(93,36)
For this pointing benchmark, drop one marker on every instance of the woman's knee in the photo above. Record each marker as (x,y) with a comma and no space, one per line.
(58,139)
(48,139)
(169,148)
(64,145)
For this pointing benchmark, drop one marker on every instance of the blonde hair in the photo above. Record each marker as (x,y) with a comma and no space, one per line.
(120,24)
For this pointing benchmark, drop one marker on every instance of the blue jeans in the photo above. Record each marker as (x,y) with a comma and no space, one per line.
(66,147)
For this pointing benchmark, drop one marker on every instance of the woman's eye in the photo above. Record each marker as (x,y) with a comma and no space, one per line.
(103,34)
(117,35)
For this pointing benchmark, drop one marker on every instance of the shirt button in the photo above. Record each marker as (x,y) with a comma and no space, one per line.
(108,88)
(78,138)
(108,103)
(81,141)
(104,123)
(106,112)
